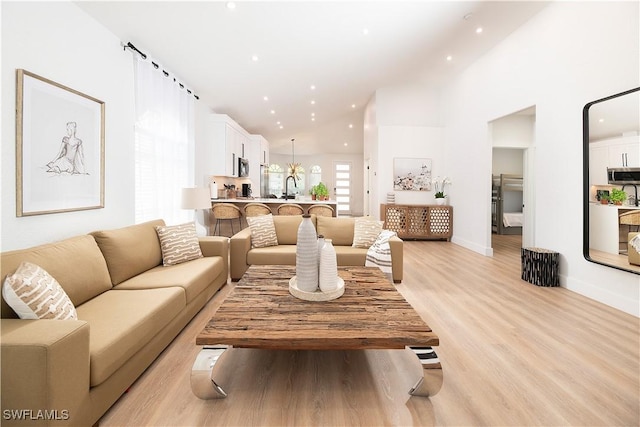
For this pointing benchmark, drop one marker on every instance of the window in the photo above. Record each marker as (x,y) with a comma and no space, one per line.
(315,175)
(300,181)
(276,180)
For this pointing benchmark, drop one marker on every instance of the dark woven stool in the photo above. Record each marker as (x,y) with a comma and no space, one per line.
(540,266)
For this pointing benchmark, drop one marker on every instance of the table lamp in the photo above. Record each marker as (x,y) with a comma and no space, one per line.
(196,198)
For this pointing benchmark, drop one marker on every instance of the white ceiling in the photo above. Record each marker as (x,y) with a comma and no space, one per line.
(304,43)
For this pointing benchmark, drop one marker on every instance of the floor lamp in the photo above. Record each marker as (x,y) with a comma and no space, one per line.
(196,198)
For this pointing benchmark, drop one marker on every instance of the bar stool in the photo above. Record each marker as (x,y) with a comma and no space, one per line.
(225,212)
(290,209)
(256,209)
(320,210)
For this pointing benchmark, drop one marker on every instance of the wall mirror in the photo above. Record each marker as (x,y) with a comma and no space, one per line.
(611,144)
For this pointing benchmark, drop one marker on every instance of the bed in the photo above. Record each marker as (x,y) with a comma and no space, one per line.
(506,204)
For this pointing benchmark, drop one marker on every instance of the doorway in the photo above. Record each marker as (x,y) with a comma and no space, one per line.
(512,173)
(342,172)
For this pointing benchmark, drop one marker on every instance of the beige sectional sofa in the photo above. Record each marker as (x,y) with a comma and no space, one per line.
(339,229)
(129,308)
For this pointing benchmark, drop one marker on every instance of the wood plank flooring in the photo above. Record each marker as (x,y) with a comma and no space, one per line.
(512,354)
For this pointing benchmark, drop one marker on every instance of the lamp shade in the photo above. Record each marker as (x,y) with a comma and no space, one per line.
(196,198)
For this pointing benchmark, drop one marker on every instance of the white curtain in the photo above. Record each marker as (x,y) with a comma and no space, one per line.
(164,144)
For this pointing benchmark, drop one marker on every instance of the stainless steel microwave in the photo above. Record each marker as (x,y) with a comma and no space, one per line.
(623,175)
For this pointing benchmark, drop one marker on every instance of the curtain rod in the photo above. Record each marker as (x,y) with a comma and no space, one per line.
(130,45)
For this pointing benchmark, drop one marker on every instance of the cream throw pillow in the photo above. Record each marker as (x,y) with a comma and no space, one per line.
(366,231)
(263,232)
(34,294)
(179,243)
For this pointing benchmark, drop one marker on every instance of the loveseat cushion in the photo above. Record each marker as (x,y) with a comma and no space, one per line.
(130,250)
(70,262)
(122,322)
(274,255)
(339,230)
(193,276)
(287,228)
(348,255)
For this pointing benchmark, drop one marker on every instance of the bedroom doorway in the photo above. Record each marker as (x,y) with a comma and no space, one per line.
(512,203)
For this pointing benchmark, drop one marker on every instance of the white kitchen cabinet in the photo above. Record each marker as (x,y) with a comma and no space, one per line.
(224,145)
(264,152)
(612,153)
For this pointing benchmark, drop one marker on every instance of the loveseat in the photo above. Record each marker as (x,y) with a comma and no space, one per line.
(339,229)
(129,308)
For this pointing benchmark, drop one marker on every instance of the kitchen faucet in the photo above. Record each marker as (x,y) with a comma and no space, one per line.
(286,186)
(635,188)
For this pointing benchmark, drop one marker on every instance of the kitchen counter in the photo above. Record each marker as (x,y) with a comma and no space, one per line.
(274,203)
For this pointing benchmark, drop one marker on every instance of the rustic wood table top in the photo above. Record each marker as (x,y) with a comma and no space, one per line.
(261,313)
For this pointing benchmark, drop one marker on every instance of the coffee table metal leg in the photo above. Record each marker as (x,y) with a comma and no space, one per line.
(431,381)
(202,383)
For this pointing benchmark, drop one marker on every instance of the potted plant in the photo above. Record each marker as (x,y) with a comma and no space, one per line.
(322,193)
(312,192)
(604,198)
(617,196)
(440,185)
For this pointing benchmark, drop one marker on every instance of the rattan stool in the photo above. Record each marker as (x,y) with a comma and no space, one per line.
(290,209)
(256,209)
(320,210)
(225,212)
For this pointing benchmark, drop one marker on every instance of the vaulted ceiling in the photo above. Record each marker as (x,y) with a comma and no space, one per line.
(306,69)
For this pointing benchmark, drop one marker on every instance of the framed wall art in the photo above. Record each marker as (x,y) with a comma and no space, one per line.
(59,148)
(411,174)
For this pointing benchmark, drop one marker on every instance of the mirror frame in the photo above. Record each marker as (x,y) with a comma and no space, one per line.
(585,179)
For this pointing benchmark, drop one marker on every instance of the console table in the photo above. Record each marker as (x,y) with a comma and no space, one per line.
(428,222)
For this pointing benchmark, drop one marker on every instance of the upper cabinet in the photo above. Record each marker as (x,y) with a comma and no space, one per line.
(226,142)
(623,152)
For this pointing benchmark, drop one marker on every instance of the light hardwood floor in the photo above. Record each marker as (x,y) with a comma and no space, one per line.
(513,354)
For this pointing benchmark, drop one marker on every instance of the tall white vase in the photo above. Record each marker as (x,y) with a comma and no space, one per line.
(307,256)
(328,267)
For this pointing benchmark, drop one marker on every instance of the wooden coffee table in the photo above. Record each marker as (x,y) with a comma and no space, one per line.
(261,313)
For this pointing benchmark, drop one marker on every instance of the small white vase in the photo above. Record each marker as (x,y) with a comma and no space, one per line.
(320,246)
(307,256)
(328,267)
(441,201)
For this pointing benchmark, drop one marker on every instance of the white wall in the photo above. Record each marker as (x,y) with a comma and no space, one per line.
(58,41)
(507,160)
(567,55)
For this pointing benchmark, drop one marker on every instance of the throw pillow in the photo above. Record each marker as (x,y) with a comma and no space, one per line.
(263,232)
(366,232)
(179,243)
(34,294)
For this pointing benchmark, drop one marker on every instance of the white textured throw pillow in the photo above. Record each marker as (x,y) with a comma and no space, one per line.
(179,243)
(366,231)
(263,231)
(34,294)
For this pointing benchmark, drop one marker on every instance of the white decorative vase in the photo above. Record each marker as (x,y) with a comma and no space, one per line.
(307,256)
(328,267)
(320,246)
(441,201)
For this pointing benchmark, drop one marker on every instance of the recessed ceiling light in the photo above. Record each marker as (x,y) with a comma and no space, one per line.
(254,58)
(353,105)
(478,30)
(350,126)
(231,5)
(266,98)
(345,144)
(281,127)
(313,114)
(277,122)
(365,31)
(313,101)
(313,87)
(273,111)
(313,119)
(601,120)
(449,57)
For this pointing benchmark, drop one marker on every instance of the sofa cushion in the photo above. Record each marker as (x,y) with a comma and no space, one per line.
(34,294)
(123,321)
(348,255)
(366,231)
(286,255)
(193,276)
(70,261)
(339,230)
(178,243)
(130,250)
(263,232)
(287,228)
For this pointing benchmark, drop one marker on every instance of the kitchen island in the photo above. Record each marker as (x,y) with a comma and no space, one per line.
(273,204)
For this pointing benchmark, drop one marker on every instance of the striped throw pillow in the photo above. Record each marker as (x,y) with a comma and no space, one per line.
(366,231)
(179,243)
(34,294)
(263,231)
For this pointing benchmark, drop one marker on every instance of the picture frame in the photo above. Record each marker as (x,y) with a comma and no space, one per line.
(59,147)
(411,174)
